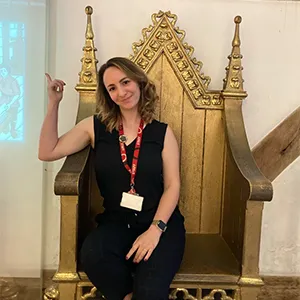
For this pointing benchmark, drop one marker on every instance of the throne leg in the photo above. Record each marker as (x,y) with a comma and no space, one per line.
(249,293)
(67,291)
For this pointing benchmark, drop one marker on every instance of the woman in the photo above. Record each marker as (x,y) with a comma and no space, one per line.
(138,246)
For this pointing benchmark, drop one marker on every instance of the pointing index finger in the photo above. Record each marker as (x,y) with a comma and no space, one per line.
(49,79)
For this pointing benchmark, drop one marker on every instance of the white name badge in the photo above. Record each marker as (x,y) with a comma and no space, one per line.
(132,201)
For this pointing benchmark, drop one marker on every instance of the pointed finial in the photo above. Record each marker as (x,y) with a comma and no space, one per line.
(89,29)
(236,40)
(88,74)
(233,83)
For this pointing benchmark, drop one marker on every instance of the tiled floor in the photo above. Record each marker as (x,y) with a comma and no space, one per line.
(30,294)
(25,289)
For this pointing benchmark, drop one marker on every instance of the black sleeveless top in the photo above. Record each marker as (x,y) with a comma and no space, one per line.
(112,177)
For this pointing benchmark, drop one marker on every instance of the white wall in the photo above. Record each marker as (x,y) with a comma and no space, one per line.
(270,34)
(280,253)
(21,184)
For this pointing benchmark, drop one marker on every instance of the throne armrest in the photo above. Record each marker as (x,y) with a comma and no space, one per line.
(69,179)
(258,186)
(69,184)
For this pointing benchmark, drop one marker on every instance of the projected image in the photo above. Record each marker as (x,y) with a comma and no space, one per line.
(12,54)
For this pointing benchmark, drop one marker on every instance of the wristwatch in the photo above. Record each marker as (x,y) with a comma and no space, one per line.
(160,224)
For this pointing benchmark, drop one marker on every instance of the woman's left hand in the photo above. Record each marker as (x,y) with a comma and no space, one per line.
(145,244)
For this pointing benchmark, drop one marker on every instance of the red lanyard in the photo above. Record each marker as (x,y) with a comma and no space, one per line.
(136,153)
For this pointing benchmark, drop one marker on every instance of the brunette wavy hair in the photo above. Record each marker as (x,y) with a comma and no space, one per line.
(107,111)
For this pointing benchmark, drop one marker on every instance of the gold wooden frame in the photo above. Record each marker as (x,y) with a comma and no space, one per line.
(244,186)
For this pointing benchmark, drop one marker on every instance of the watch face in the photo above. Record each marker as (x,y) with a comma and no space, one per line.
(162,225)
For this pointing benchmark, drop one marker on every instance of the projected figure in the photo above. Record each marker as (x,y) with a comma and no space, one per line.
(9,101)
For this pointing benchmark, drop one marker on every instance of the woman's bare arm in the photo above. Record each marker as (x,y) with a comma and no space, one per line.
(52,147)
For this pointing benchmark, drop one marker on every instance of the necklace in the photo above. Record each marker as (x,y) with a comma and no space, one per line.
(123,138)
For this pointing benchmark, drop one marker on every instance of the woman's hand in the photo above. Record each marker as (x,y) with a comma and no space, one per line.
(145,244)
(55,89)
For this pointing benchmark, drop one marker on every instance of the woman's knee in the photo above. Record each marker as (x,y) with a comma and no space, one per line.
(92,250)
(102,246)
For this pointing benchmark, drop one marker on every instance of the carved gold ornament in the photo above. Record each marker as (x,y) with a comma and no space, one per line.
(212,294)
(163,37)
(51,293)
(233,83)
(91,295)
(185,294)
(88,74)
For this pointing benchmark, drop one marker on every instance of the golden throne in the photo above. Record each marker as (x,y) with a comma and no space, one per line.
(222,189)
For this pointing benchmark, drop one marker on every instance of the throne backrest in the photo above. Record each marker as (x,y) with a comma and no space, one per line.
(195,113)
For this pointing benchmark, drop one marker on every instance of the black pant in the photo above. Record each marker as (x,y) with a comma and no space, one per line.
(103,258)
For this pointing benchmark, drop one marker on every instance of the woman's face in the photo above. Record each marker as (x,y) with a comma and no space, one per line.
(122,90)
